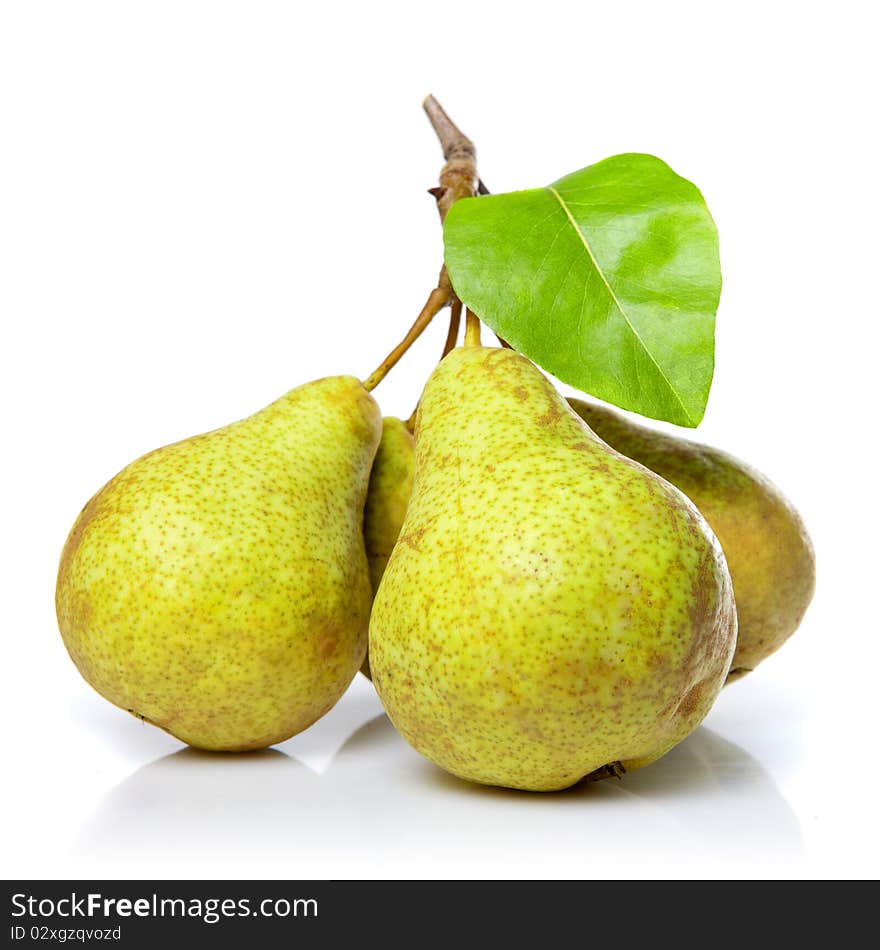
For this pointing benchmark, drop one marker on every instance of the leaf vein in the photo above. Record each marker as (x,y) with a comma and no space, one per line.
(617,303)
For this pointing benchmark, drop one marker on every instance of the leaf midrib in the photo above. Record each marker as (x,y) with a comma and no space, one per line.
(617,302)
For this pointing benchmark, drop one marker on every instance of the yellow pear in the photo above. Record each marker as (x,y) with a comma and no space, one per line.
(552,610)
(387,499)
(218,587)
(765,542)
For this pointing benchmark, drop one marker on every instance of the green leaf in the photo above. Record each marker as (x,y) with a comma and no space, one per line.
(609,279)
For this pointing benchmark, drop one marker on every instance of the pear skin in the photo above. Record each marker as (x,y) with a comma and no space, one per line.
(552,610)
(218,587)
(767,547)
(387,499)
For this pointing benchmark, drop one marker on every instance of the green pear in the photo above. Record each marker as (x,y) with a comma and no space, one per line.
(387,499)
(552,610)
(218,587)
(768,551)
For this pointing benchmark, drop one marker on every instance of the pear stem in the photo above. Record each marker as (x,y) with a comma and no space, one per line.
(448,347)
(437,300)
(472,329)
(454,324)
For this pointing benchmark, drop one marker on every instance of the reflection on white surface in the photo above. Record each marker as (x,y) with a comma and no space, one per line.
(317,746)
(369,805)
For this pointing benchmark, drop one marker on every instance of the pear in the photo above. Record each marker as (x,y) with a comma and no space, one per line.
(552,610)
(218,587)
(387,499)
(767,547)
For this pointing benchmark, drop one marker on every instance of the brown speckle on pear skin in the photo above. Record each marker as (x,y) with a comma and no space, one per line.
(218,587)
(564,611)
(766,545)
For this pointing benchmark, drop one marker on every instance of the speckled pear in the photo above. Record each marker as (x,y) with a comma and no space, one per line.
(218,587)
(387,499)
(552,610)
(767,547)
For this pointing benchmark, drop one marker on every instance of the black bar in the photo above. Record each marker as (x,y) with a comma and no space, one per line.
(167,914)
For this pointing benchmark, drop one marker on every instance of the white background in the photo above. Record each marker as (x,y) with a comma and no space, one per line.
(205,204)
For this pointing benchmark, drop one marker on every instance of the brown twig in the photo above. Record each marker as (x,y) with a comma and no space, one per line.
(458,179)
